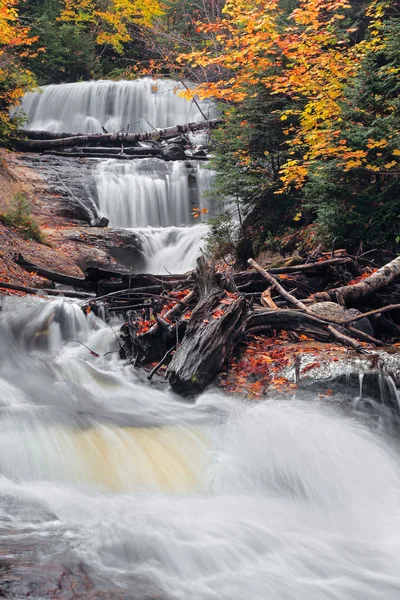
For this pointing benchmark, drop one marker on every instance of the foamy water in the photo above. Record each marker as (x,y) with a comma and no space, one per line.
(217,499)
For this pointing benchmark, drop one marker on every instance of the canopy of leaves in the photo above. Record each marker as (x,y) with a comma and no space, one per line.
(15,44)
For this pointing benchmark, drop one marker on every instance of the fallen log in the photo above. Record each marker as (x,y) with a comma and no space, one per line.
(210,336)
(371,313)
(135,151)
(337,335)
(41,145)
(268,320)
(315,266)
(348,294)
(48,292)
(100,156)
(52,275)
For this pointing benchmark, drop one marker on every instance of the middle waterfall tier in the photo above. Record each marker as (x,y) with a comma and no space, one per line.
(151,192)
(156,199)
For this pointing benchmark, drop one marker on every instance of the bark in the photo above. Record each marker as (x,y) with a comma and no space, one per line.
(114,139)
(208,342)
(53,276)
(48,292)
(348,294)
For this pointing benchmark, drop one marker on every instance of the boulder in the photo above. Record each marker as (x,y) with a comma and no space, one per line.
(174,152)
(331,310)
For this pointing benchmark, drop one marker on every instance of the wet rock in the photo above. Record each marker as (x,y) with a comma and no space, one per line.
(331,310)
(200,153)
(69,185)
(102,222)
(174,152)
(363,325)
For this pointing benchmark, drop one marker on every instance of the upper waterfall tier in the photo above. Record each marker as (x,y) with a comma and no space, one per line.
(133,106)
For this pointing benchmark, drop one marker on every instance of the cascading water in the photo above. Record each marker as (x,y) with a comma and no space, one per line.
(132,106)
(153,197)
(117,486)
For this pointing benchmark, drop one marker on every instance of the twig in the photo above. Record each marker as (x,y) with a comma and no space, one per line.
(160,364)
(377,311)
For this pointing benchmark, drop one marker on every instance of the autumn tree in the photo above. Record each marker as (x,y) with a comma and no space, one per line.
(109,20)
(313,63)
(360,202)
(15,43)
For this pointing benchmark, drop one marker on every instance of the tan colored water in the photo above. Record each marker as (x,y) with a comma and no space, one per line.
(167,459)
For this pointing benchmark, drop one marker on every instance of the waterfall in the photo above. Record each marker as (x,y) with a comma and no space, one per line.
(133,106)
(155,198)
(149,192)
(155,497)
(150,196)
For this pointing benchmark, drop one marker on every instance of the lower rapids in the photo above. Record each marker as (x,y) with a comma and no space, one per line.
(112,487)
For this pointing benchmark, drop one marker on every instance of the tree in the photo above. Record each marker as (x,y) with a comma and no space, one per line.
(109,20)
(15,80)
(315,62)
(361,203)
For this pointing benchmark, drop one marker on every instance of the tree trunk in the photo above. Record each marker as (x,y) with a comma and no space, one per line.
(350,293)
(114,139)
(210,337)
(56,277)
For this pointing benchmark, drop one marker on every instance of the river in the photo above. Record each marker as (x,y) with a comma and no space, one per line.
(111,487)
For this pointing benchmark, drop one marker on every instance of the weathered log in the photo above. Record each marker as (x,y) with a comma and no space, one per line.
(370,313)
(134,151)
(267,320)
(209,339)
(348,294)
(40,145)
(52,275)
(124,280)
(100,156)
(48,292)
(337,335)
(315,266)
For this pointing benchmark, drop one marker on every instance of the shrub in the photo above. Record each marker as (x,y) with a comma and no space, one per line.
(19,217)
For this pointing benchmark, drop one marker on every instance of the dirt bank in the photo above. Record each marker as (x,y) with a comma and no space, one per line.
(70,243)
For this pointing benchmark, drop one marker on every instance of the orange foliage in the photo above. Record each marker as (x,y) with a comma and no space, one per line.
(365,275)
(14,45)
(311,61)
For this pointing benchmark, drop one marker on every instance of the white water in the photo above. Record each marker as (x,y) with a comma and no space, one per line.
(133,106)
(216,500)
(173,249)
(148,192)
(138,194)
(156,198)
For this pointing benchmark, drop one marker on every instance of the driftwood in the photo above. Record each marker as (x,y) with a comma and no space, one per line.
(337,335)
(348,294)
(194,321)
(102,156)
(47,291)
(114,139)
(315,266)
(209,339)
(266,321)
(51,275)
